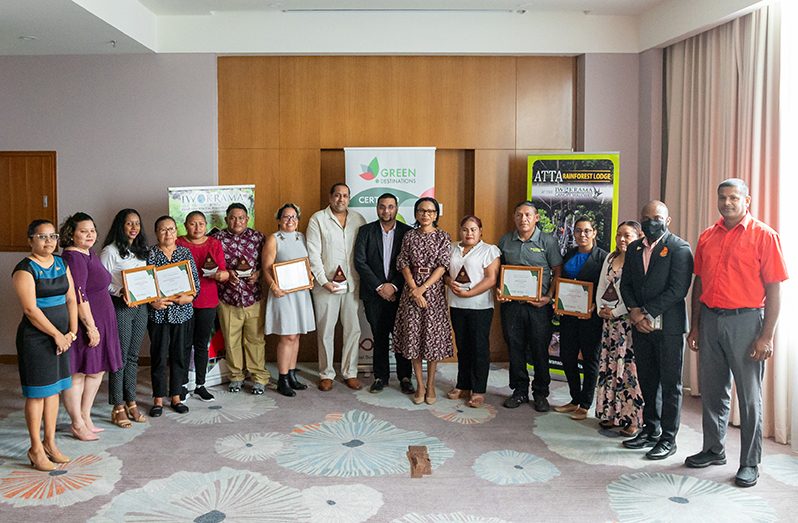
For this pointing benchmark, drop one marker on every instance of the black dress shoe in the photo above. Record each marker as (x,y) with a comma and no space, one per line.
(540,403)
(642,441)
(515,401)
(746,476)
(377,386)
(180,408)
(156,411)
(407,386)
(662,450)
(705,458)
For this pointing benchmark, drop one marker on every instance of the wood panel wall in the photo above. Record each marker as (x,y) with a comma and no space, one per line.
(284,121)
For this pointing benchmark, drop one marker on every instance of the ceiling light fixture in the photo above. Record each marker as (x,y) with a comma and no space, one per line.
(28,38)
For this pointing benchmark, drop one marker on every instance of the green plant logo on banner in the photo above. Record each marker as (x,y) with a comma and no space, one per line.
(389,176)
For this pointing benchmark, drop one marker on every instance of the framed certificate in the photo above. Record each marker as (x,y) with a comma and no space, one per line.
(521,282)
(140,285)
(573,297)
(175,278)
(293,275)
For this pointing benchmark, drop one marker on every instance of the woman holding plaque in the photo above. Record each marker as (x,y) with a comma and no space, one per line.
(97,348)
(619,401)
(422,328)
(209,259)
(50,319)
(288,314)
(473,270)
(169,323)
(124,248)
(578,335)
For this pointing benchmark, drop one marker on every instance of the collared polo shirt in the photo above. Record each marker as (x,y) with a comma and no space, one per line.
(735,265)
(540,250)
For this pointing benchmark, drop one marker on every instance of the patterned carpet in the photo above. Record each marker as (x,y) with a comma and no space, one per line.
(340,457)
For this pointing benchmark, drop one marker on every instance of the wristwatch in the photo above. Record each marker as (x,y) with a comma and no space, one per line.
(71,335)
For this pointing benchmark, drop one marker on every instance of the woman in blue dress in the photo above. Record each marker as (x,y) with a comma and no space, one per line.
(47,330)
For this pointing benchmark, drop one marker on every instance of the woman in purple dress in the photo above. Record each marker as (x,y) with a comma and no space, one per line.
(96,349)
(423,329)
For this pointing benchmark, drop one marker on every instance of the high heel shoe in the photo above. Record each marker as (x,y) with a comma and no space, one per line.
(43,465)
(86,435)
(429,399)
(55,456)
(419,396)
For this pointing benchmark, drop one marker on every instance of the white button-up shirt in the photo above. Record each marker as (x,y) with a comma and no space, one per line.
(331,246)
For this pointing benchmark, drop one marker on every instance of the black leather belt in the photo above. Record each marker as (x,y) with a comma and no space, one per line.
(733,312)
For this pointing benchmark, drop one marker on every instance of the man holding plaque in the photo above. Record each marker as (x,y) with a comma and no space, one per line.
(656,278)
(376,249)
(527,324)
(739,267)
(331,248)
(241,316)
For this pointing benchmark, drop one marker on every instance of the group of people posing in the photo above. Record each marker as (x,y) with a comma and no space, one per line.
(416,287)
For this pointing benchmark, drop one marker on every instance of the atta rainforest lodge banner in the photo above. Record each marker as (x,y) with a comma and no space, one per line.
(565,187)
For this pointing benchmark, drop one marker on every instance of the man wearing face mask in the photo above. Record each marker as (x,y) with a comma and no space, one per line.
(656,278)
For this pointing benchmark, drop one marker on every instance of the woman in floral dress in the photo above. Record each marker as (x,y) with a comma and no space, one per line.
(423,329)
(619,401)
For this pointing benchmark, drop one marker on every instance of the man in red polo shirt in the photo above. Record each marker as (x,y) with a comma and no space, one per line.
(739,268)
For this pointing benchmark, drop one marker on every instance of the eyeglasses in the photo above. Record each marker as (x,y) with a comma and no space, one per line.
(290,218)
(582,231)
(167,230)
(426,211)
(44,237)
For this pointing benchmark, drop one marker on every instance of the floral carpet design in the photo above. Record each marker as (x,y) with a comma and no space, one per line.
(781,467)
(342,503)
(673,498)
(252,447)
(453,411)
(508,467)
(454,517)
(357,445)
(228,407)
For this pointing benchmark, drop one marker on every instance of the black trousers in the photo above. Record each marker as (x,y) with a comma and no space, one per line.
(578,335)
(527,331)
(381,315)
(659,369)
(200,332)
(472,335)
(169,344)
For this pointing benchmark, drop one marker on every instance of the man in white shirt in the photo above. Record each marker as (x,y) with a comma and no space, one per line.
(331,238)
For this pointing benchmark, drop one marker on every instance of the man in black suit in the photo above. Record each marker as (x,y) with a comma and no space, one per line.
(376,248)
(656,278)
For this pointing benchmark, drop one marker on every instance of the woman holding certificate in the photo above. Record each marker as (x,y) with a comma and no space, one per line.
(97,348)
(50,319)
(288,314)
(577,334)
(209,259)
(619,400)
(422,328)
(170,319)
(124,248)
(473,270)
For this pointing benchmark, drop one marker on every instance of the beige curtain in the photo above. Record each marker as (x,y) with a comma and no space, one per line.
(722,101)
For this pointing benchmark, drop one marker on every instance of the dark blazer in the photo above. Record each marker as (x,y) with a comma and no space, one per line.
(590,271)
(369,261)
(663,288)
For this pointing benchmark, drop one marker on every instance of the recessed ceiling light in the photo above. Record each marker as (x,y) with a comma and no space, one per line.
(28,38)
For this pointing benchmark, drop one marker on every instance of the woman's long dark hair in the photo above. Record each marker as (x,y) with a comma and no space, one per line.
(118,238)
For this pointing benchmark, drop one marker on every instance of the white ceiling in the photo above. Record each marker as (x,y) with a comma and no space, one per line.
(203,7)
(514,27)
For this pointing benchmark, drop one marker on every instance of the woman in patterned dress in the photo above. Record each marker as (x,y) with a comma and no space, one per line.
(44,287)
(619,401)
(169,320)
(124,248)
(423,329)
(287,314)
(97,349)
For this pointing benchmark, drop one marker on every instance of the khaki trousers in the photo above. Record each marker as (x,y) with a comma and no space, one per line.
(328,308)
(245,344)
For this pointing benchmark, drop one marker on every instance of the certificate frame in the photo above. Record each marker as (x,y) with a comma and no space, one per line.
(534,295)
(190,288)
(133,300)
(292,264)
(558,306)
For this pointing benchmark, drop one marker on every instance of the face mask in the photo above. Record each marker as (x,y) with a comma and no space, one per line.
(653,229)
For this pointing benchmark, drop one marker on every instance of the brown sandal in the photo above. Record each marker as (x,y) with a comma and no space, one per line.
(134,414)
(119,418)
(456,394)
(476,401)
